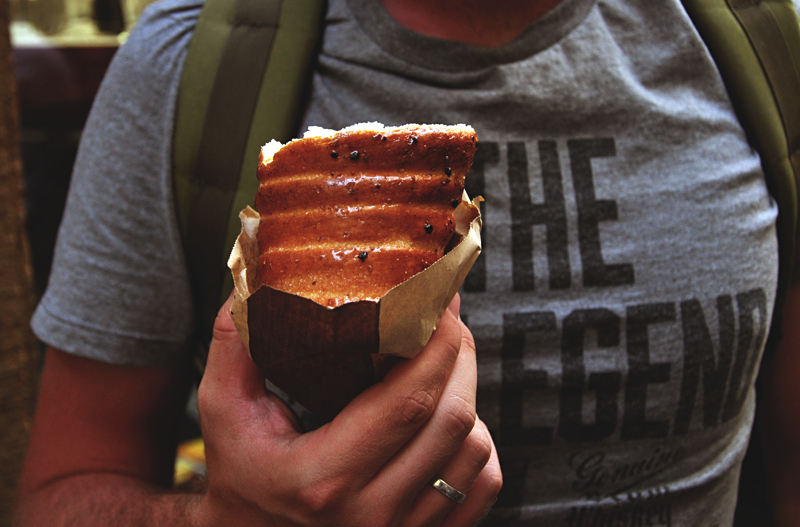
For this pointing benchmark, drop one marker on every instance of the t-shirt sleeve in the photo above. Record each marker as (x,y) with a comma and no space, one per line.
(118,291)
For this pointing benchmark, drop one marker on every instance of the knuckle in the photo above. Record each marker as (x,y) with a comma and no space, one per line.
(451,347)
(479,448)
(467,339)
(206,402)
(417,407)
(446,340)
(210,397)
(458,417)
(321,498)
(212,416)
(495,483)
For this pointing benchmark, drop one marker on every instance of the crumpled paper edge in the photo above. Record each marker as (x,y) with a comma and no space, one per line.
(409,312)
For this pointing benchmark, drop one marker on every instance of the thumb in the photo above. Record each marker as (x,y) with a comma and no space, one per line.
(232,384)
(229,367)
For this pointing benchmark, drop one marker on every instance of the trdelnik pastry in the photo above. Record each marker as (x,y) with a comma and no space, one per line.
(361,239)
(348,215)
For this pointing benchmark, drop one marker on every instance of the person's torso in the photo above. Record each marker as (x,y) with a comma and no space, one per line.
(629,256)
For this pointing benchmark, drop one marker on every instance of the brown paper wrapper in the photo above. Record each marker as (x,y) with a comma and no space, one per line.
(323,357)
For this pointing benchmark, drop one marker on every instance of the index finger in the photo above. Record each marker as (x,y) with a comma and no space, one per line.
(375,425)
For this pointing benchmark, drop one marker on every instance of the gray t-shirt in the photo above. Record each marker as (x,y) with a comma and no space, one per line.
(622,300)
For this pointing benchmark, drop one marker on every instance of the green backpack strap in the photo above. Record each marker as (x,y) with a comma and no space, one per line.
(243,84)
(756,45)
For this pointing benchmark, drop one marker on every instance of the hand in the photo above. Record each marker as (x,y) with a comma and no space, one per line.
(372,465)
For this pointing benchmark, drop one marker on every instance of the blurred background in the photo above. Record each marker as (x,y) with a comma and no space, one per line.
(53,55)
(61,50)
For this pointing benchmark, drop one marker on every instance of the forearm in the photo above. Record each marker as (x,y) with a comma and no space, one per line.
(108,499)
(92,461)
(779,436)
(780,417)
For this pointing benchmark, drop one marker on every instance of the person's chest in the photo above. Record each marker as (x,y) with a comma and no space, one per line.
(629,260)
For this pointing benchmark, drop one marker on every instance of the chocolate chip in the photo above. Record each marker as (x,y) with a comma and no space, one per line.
(428,228)
(448,171)
(455,203)
(354,155)
(334,155)
(362,255)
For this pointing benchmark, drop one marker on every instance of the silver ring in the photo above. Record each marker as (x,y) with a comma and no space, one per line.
(449,491)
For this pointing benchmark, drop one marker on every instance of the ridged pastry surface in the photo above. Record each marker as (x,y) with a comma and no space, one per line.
(348,215)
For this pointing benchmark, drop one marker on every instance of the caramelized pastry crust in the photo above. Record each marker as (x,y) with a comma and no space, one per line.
(348,215)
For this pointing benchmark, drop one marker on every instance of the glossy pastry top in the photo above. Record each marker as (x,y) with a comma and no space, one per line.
(348,215)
